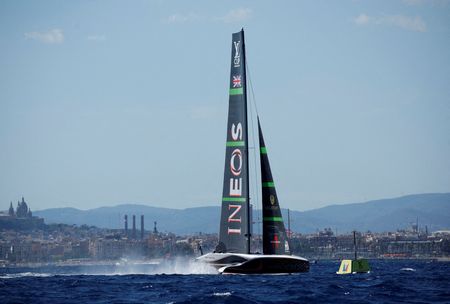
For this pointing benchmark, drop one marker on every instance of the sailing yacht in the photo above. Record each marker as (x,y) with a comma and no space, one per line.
(232,253)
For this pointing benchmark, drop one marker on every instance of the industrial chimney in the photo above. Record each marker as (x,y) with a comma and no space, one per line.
(125,219)
(134,227)
(142,227)
(155,231)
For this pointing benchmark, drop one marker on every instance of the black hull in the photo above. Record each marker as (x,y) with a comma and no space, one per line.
(264,264)
(239,263)
(267,266)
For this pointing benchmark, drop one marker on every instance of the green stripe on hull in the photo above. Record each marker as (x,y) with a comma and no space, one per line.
(234,199)
(268,184)
(263,150)
(238,91)
(273,219)
(235,143)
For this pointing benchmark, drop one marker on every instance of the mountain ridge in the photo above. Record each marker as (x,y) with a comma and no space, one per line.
(432,209)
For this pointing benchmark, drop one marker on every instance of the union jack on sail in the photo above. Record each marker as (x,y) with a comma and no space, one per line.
(237,81)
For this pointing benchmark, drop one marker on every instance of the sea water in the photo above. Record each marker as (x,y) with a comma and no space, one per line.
(390,281)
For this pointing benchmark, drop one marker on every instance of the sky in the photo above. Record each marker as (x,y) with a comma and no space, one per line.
(110,102)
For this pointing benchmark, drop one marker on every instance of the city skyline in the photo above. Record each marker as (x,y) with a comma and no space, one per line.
(104,103)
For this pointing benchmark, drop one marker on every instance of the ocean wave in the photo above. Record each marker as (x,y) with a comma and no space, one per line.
(222,294)
(25,274)
(75,285)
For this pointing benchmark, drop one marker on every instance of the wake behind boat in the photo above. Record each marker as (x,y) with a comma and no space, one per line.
(232,254)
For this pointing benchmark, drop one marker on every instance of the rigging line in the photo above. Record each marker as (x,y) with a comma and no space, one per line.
(251,88)
(252,99)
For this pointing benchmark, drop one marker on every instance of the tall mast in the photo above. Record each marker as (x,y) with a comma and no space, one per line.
(249,220)
(289,225)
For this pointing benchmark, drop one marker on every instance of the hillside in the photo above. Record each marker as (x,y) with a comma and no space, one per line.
(433,210)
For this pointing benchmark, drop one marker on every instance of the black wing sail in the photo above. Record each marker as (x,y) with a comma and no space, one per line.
(234,231)
(275,240)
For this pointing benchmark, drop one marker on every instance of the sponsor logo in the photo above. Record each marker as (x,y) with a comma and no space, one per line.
(345,268)
(237,54)
(234,231)
(237,81)
(236,162)
(232,217)
(236,158)
(272,199)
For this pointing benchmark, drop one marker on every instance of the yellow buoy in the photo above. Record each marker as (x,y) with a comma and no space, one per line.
(356,265)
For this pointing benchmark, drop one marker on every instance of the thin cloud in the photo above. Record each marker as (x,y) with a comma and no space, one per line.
(415,24)
(427,2)
(54,36)
(408,23)
(362,19)
(182,18)
(96,38)
(237,15)
(233,16)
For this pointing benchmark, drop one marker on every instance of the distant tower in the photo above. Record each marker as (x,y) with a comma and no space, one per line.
(142,227)
(417,225)
(155,231)
(134,227)
(22,209)
(125,219)
(11,210)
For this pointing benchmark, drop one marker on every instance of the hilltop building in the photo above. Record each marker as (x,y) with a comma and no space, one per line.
(22,210)
(11,210)
(20,219)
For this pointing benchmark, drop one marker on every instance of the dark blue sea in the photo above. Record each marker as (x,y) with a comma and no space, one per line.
(407,281)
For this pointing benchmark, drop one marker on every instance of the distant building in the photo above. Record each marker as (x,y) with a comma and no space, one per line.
(11,210)
(22,210)
(21,219)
